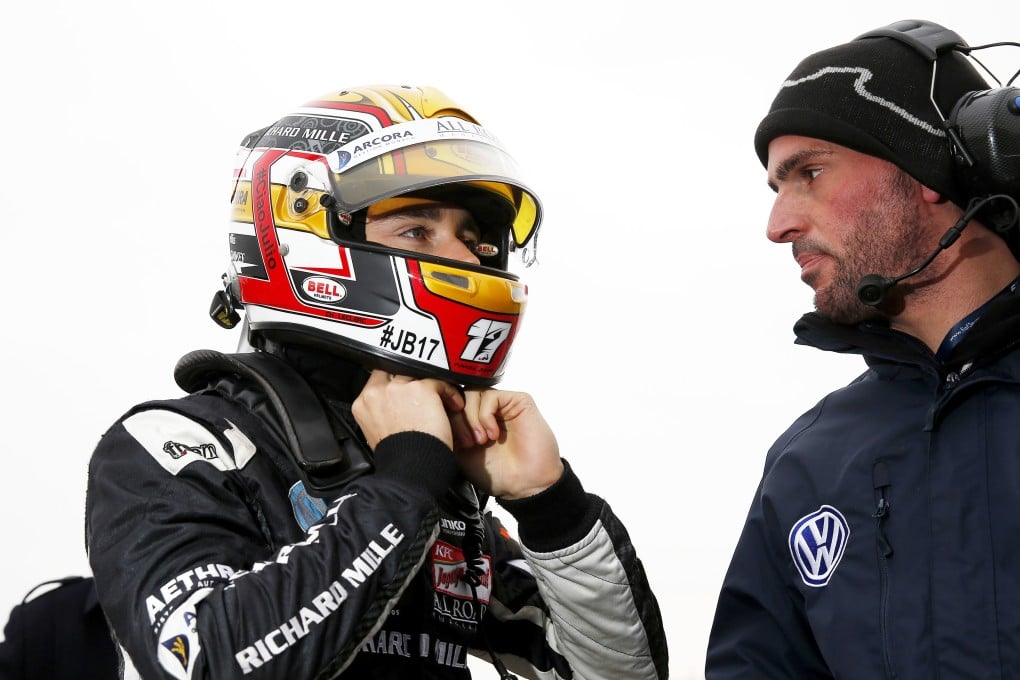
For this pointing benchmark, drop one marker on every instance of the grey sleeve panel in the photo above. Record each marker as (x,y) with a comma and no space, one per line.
(596,619)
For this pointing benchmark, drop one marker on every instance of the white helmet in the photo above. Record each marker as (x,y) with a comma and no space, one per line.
(299,263)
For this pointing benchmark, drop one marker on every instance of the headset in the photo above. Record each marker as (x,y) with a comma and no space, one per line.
(983,131)
(983,127)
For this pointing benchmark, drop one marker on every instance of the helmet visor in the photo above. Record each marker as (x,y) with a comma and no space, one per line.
(428,153)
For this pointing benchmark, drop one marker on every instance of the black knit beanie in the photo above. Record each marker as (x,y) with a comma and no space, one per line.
(873,95)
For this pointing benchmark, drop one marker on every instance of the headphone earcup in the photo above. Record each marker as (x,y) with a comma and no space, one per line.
(987,123)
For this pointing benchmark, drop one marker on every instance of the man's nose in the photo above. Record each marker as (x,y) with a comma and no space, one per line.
(786,220)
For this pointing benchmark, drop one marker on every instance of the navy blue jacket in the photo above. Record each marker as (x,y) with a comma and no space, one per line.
(884,538)
(60,634)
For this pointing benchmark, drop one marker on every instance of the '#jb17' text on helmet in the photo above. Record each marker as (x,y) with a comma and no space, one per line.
(300,266)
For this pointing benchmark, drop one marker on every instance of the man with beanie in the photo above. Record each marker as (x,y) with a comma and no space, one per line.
(884,540)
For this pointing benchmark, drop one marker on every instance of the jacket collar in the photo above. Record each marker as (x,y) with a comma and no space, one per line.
(995,333)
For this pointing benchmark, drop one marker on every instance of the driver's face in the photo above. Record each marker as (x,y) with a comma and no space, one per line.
(440,230)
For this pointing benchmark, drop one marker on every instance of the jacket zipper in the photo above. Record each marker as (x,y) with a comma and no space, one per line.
(949,381)
(880,478)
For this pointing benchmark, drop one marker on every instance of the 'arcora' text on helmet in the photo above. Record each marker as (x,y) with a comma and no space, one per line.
(301,268)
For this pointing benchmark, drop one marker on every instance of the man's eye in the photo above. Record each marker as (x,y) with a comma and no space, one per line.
(812,173)
(413,232)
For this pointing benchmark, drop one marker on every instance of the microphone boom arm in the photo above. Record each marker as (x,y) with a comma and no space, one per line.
(873,287)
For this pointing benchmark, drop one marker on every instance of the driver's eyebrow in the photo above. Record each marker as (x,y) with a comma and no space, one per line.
(428,212)
(431,212)
(783,170)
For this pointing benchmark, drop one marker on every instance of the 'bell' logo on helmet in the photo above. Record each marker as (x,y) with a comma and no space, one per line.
(323,289)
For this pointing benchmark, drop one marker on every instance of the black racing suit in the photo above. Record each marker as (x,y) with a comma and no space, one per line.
(213,559)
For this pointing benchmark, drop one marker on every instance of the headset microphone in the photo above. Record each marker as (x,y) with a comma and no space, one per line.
(873,287)
(871,290)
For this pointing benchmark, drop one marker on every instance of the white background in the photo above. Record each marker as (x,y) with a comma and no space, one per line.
(658,337)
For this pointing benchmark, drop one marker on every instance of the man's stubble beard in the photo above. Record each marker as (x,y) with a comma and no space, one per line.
(885,239)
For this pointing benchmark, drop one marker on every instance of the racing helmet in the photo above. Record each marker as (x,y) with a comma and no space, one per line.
(303,273)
